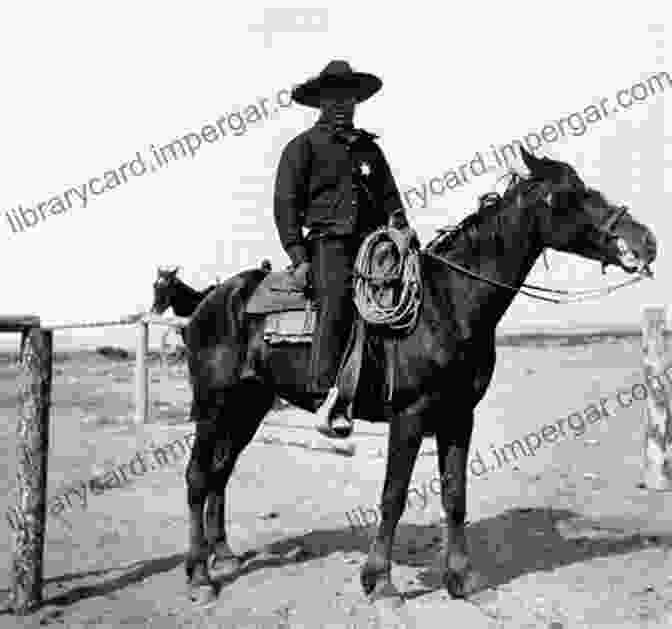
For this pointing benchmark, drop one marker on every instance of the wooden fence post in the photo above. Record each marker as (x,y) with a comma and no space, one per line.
(141,374)
(29,515)
(657,473)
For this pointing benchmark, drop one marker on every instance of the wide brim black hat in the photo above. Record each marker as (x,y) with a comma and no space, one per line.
(337,76)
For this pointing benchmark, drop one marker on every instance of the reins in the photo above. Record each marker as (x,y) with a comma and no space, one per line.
(572,296)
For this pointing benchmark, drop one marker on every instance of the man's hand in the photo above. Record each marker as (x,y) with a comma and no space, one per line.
(300,276)
(398,220)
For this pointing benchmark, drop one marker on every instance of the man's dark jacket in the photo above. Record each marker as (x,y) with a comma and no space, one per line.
(334,184)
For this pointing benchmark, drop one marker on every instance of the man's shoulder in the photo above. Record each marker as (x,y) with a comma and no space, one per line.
(298,141)
(369,140)
(369,135)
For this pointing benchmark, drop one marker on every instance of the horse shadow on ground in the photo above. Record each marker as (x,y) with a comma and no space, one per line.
(503,548)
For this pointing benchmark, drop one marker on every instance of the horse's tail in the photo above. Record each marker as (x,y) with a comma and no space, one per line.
(216,339)
(221,314)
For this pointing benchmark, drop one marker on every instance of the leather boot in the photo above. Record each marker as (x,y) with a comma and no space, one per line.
(333,420)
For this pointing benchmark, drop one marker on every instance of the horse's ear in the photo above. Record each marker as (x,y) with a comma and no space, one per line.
(539,167)
(530,160)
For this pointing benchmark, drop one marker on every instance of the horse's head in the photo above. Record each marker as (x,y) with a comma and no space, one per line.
(164,289)
(578,219)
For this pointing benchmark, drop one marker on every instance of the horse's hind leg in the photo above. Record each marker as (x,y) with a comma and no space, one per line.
(219,442)
(257,401)
(198,479)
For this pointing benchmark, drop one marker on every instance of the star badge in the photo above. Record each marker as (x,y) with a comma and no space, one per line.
(365,169)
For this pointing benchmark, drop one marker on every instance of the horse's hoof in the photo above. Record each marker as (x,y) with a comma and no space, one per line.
(386,594)
(463,584)
(224,567)
(374,580)
(202,595)
(337,431)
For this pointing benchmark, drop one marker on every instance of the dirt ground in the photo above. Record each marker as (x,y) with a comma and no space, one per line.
(565,538)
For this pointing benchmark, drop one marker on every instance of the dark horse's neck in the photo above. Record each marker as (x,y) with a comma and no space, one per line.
(186,299)
(500,242)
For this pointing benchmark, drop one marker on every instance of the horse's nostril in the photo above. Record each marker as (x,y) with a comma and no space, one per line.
(650,244)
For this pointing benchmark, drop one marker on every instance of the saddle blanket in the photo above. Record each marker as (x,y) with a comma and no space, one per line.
(292,326)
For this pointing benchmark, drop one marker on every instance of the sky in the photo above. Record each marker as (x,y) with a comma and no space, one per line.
(87,87)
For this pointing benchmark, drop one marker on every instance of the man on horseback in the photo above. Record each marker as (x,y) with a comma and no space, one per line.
(334,181)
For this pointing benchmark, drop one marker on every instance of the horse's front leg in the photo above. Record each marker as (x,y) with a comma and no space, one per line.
(403,447)
(459,577)
(223,561)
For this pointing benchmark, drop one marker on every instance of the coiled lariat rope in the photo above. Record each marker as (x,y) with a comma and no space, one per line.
(370,287)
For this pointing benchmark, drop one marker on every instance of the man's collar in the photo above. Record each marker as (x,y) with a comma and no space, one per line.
(348,134)
(328,125)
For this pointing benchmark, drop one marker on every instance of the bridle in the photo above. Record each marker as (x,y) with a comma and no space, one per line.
(161,281)
(606,230)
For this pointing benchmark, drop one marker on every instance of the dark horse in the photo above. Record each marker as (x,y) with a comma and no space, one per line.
(172,292)
(445,363)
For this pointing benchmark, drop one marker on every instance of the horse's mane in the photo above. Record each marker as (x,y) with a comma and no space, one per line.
(489,207)
(191,289)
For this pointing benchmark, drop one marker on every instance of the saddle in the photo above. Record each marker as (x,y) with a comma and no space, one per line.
(289,314)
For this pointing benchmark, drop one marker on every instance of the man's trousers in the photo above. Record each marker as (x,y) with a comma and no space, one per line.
(332,262)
